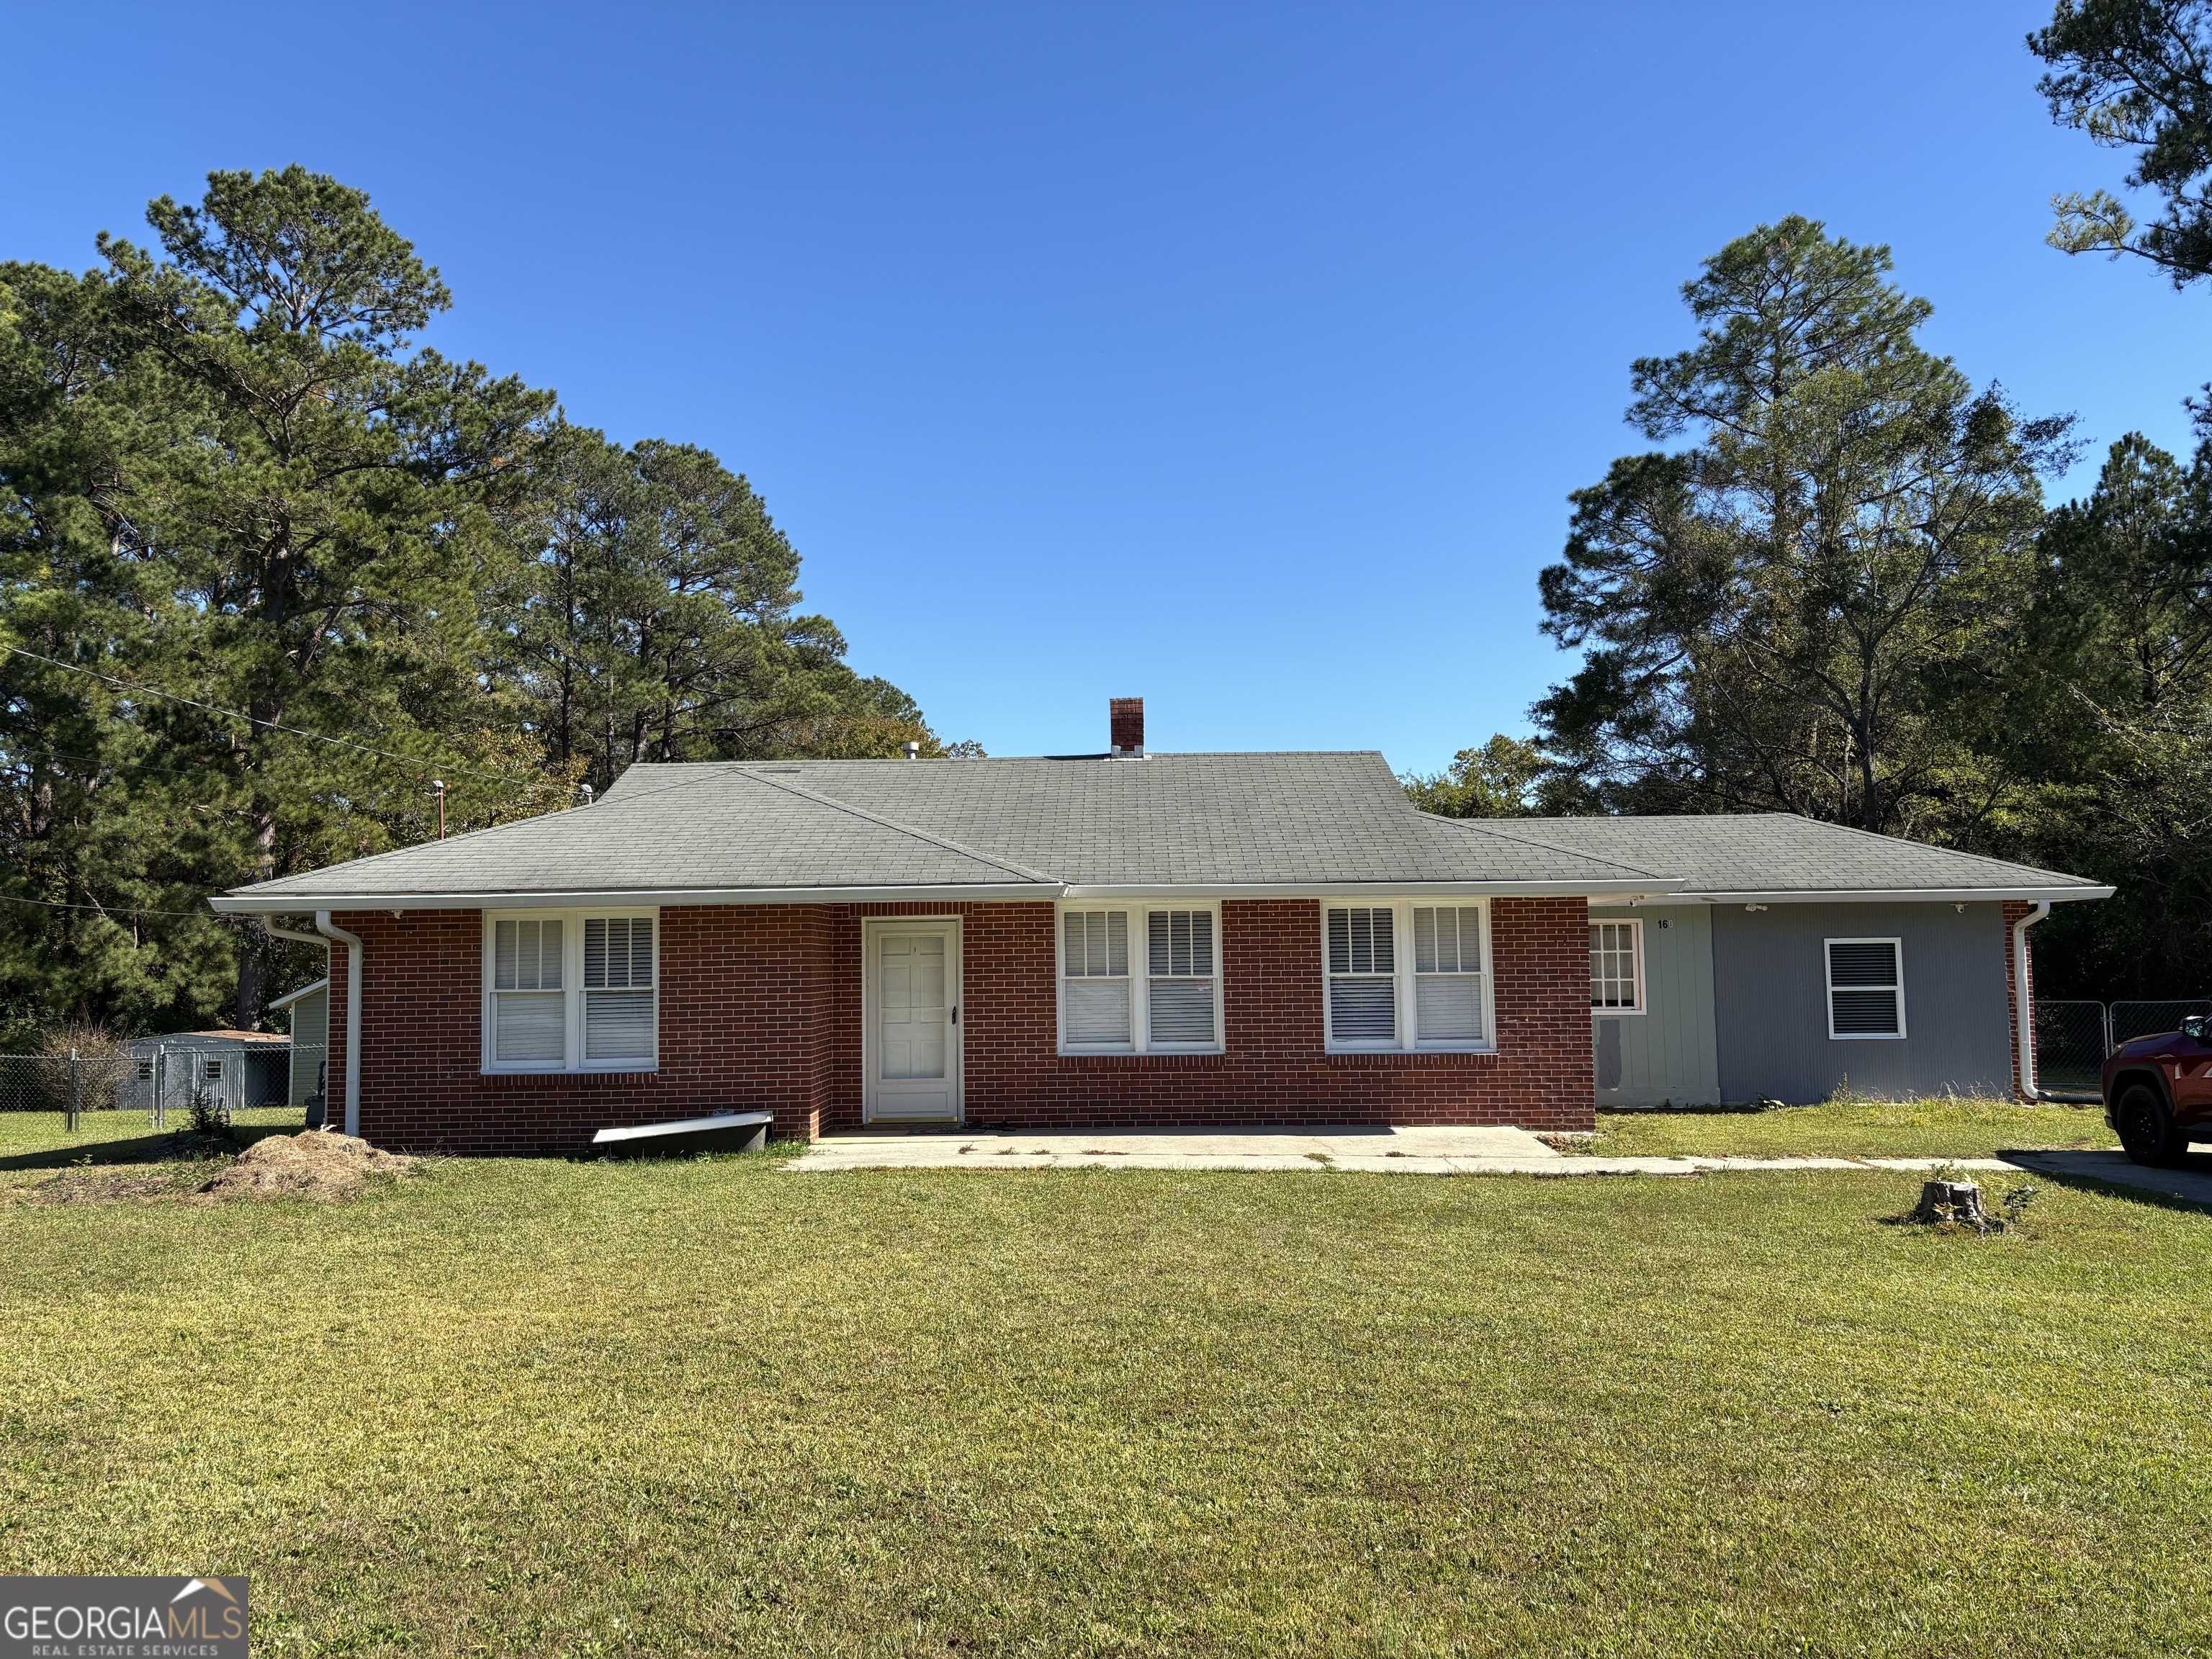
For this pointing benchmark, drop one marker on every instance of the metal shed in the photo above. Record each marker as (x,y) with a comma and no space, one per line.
(240,1069)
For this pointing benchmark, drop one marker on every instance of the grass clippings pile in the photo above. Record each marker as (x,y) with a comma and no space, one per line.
(315,1163)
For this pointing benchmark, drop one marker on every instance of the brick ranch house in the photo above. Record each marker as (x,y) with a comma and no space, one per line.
(1130,940)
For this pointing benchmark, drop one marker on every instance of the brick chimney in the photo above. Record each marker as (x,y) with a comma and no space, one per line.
(1125,721)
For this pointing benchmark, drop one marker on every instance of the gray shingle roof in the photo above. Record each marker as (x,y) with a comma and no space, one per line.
(1002,826)
(1189,820)
(709,827)
(1031,827)
(1778,853)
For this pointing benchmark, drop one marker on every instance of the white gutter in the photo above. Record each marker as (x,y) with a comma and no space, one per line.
(250,902)
(1898,895)
(1640,887)
(352,942)
(2023,1013)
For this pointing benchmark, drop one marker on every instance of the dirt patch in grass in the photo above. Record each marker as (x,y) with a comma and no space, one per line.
(317,1164)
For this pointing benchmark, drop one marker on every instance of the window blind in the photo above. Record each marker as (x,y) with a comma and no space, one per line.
(1095,967)
(1866,988)
(529,1008)
(1362,967)
(618,996)
(1179,1005)
(1447,1000)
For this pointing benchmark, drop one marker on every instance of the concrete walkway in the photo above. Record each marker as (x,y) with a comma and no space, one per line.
(1379,1151)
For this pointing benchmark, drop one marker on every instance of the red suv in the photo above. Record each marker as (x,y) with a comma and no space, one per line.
(2158,1092)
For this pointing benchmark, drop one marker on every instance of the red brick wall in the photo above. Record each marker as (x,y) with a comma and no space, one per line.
(760,1008)
(738,986)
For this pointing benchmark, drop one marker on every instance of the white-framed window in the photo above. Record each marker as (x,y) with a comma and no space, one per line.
(1866,988)
(1405,974)
(1140,978)
(1182,984)
(1616,955)
(1096,1007)
(1450,989)
(572,990)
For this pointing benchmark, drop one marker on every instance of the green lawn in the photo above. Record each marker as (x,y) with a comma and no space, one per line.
(687,1407)
(1919,1128)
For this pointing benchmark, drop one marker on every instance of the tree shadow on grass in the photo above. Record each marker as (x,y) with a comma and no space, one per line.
(160,1147)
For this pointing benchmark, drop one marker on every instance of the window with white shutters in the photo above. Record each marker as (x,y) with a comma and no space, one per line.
(1448,997)
(1139,980)
(1093,967)
(1616,977)
(1179,992)
(571,992)
(1866,988)
(1362,977)
(1407,975)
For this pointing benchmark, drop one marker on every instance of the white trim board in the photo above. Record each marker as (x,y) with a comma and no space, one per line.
(248,902)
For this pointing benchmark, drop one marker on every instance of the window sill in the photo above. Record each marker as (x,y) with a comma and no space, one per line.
(1866,1036)
(1138,1053)
(604,1068)
(1618,1013)
(1411,1054)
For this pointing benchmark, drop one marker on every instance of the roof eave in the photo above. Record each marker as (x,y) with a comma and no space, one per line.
(1891,895)
(248,902)
(1637,887)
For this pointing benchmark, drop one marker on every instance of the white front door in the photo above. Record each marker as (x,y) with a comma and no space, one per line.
(911,1000)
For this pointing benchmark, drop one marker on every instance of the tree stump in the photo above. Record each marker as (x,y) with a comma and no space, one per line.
(1952,1201)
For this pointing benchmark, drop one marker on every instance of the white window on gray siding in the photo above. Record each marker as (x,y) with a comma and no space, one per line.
(1866,988)
(1447,1000)
(529,1018)
(1362,977)
(1094,978)
(618,990)
(1179,997)
(1616,985)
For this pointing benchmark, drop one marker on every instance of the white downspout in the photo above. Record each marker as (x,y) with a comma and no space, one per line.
(2023,1014)
(353,944)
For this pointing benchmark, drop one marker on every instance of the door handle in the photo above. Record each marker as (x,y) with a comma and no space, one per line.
(956,1015)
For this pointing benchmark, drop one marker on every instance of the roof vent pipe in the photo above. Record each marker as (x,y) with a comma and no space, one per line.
(1124,725)
(911,751)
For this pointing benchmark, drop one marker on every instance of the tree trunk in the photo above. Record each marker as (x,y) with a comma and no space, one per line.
(252,976)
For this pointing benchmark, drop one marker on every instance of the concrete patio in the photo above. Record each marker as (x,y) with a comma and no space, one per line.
(1378,1152)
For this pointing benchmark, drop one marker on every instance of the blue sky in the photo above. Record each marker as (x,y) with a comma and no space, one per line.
(1239,357)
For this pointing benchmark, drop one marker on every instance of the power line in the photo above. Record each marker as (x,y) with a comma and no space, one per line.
(111,911)
(273,726)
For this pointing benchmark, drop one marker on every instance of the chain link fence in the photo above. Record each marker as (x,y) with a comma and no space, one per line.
(2072,1039)
(269,1085)
(2130,1020)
